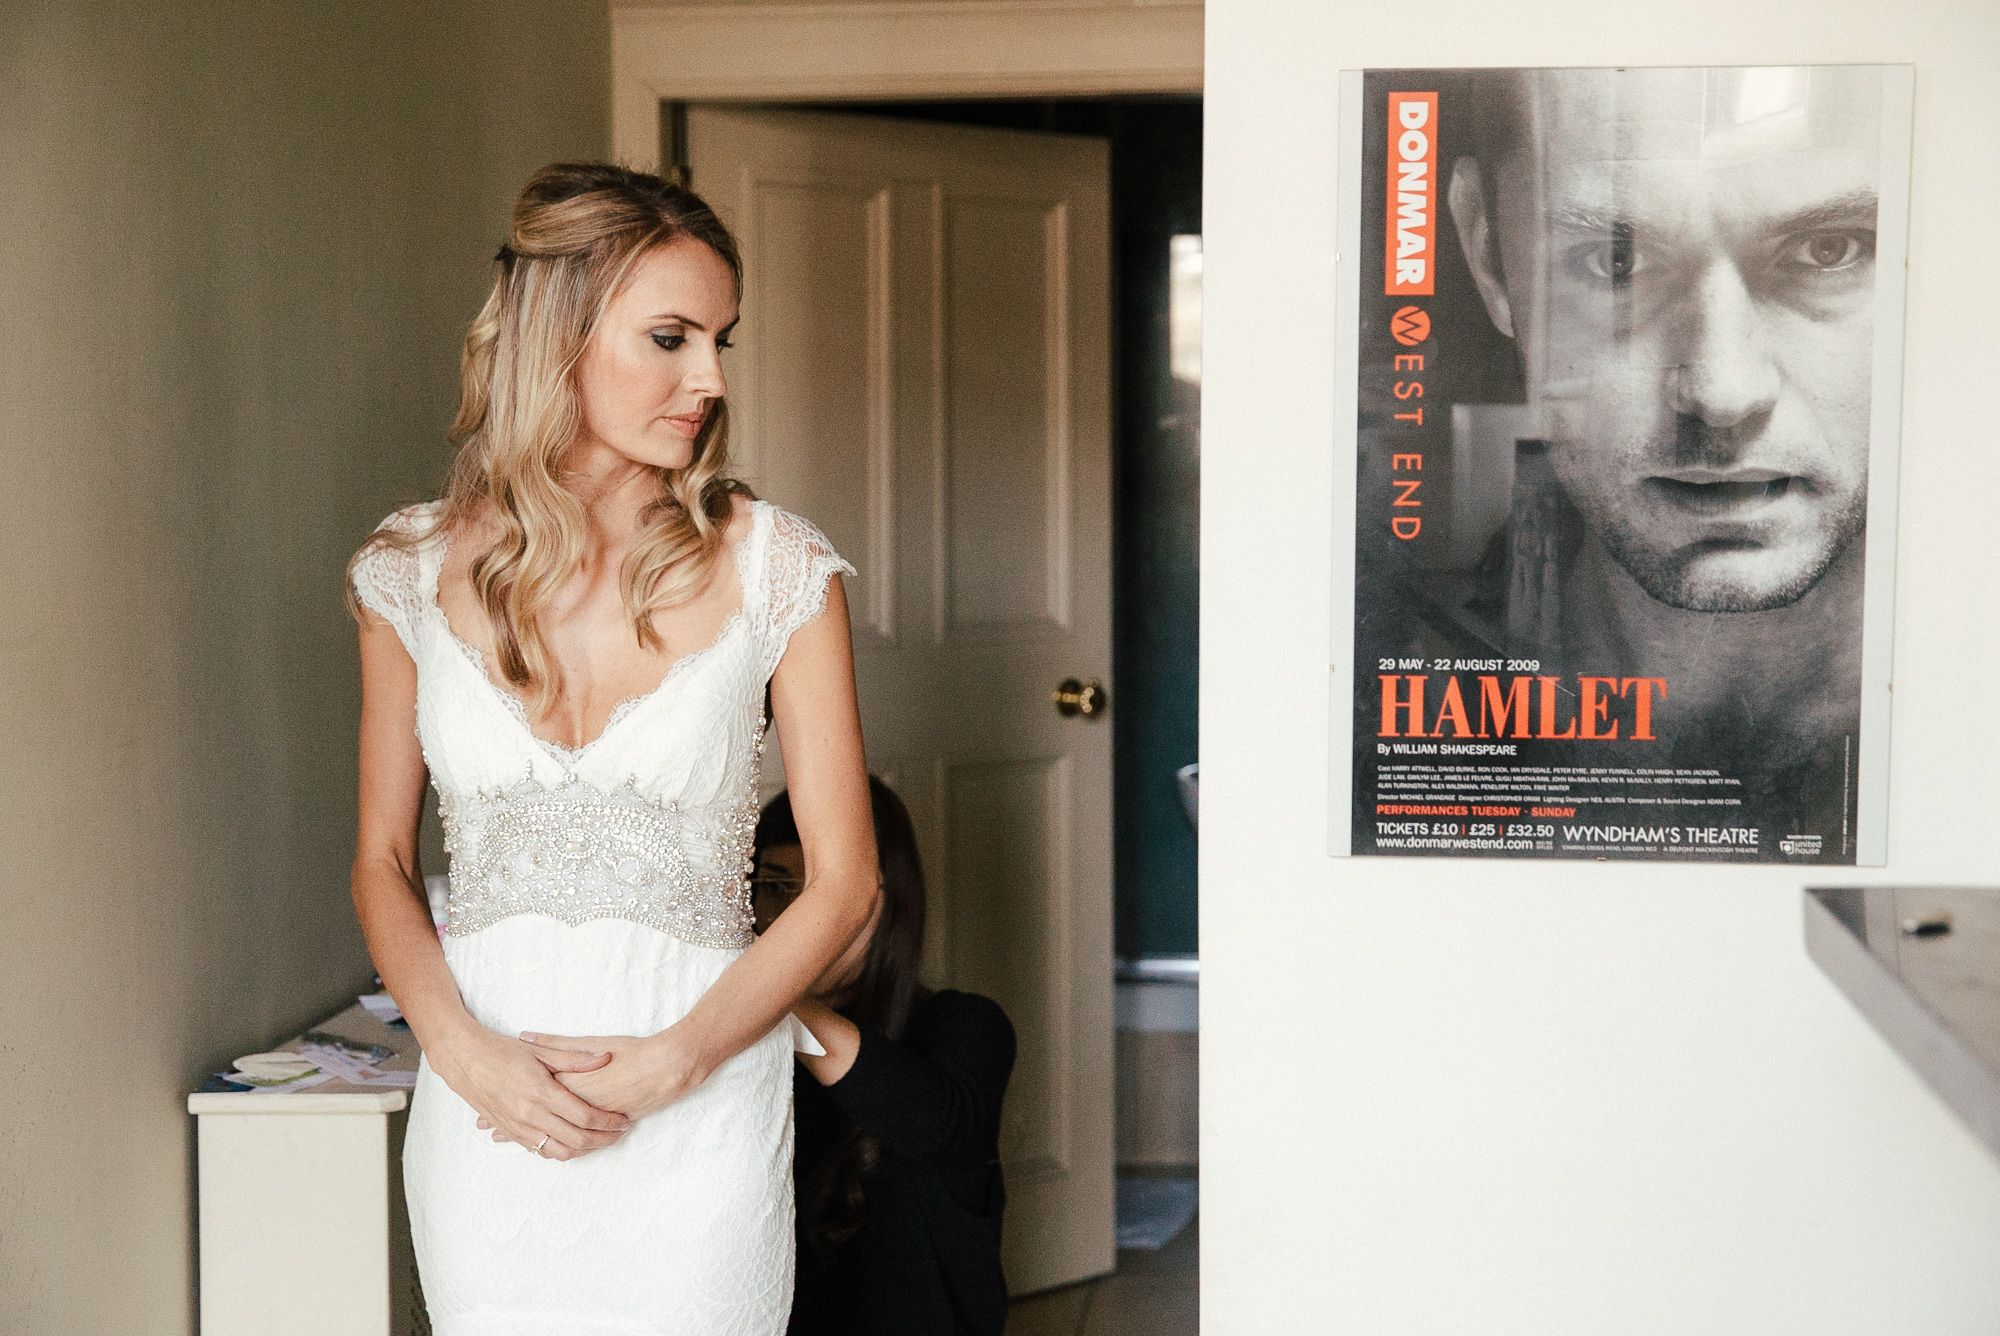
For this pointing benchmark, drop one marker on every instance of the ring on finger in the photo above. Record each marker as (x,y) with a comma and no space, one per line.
(543,1142)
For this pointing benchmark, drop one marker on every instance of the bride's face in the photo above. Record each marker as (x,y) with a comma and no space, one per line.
(652,369)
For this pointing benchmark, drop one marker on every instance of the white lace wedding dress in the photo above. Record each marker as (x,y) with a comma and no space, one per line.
(601,890)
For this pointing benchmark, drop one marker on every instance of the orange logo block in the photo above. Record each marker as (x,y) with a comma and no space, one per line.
(1409,249)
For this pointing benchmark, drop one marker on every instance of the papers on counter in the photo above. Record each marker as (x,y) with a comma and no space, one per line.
(352,1061)
(321,1057)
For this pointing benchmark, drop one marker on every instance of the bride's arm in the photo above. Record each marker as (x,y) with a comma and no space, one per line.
(812,699)
(494,1073)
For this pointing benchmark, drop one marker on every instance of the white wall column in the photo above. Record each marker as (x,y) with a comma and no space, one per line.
(1479,1098)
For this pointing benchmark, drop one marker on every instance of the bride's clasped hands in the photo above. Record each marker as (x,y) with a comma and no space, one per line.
(517,1090)
(616,1078)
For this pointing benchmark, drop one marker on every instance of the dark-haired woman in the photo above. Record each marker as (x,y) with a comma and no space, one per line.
(898,1163)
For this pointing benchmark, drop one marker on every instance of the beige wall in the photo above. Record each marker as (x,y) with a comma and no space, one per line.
(237,247)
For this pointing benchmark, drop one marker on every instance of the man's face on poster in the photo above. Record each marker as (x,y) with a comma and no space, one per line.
(1686,259)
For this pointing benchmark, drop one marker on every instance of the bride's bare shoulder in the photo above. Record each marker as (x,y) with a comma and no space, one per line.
(477,524)
(742,510)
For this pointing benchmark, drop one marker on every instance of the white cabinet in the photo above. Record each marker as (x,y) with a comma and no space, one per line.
(301,1219)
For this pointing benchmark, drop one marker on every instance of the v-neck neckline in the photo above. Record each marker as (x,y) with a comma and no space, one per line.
(561,752)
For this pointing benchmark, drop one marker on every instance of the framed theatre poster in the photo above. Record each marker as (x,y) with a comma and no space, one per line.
(1617,478)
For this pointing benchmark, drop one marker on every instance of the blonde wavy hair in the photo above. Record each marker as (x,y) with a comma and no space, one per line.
(578,230)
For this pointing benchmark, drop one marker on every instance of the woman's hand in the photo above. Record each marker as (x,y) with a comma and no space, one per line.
(643,1074)
(517,1091)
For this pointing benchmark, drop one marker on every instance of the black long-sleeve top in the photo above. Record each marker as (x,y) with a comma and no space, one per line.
(926,1260)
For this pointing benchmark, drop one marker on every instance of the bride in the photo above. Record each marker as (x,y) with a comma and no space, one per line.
(574,645)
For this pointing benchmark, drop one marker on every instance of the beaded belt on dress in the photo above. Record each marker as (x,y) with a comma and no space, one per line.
(578,852)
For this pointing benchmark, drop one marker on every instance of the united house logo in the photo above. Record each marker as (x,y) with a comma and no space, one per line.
(1409,250)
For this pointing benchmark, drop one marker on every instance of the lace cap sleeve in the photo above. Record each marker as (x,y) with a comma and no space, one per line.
(799,564)
(386,578)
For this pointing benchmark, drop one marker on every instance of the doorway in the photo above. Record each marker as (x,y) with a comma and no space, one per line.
(1155,160)
(1151,555)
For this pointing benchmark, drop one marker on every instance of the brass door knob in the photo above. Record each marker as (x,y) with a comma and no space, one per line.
(1085,698)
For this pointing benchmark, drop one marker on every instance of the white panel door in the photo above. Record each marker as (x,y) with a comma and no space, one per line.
(923,370)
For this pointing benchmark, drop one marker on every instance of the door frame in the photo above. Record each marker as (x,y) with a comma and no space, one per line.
(879,50)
